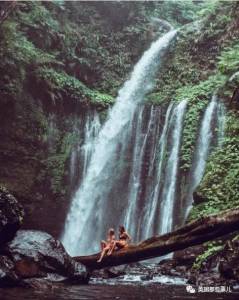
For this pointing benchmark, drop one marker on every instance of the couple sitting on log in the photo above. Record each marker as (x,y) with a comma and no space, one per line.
(112,244)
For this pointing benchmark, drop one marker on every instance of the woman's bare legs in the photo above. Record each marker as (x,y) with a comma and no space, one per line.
(103,244)
(112,248)
(103,252)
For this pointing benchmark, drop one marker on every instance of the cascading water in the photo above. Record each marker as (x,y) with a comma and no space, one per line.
(214,110)
(136,173)
(168,194)
(150,212)
(129,167)
(92,129)
(84,228)
(220,123)
(80,154)
(142,218)
(74,158)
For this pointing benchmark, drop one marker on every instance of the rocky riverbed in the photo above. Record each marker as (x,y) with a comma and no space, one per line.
(33,264)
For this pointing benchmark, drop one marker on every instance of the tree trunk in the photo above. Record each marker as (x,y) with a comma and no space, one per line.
(196,232)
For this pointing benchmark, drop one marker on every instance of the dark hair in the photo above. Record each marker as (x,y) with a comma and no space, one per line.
(111,231)
(121,228)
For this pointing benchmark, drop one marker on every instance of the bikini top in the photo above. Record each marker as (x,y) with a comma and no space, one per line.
(123,236)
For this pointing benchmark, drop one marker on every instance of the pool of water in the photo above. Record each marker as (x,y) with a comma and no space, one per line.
(126,289)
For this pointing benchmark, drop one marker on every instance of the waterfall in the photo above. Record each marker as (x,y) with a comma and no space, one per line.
(142,218)
(85,222)
(168,194)
(92,128)
(215,109)
(132,219)
(73,165)
(153,200)
(221,120)
(74,156)
(86,130)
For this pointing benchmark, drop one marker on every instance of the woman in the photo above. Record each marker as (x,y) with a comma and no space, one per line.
(107,245)
(124,238)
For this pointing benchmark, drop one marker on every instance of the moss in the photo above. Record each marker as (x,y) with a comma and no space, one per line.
(69,87)
(229,59)
(212,248)
(219,187)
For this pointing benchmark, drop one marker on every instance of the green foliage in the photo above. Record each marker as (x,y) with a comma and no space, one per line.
(34,14)
(212,249)
(208,7)
(71,87)
(229,60)
(198,97)
(202,91)
(190,131)
(17,55)
(56,163)
(157,98)
(177,12)
(82,52)
(103,100)
(219,186)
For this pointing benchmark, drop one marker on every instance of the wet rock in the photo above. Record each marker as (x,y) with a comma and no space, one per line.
(166,266)
(197,198)
(8,277)
(112,272)
(11,216)
(36,254)
(37,283)
(147,277)
(186,257)
(116,271)
(220,268)
(229,260)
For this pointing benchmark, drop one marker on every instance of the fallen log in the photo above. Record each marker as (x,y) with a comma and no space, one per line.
(196,232)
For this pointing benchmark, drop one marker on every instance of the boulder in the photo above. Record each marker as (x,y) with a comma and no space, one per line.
(37,254)
(8,276)
(11,216)
(112,272)
(229,260)
(198,198)
(187,257)
(219,268)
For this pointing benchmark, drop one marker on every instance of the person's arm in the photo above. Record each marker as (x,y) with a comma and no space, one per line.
(128,236)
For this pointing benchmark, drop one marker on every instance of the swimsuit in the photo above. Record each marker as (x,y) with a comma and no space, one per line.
(123,237)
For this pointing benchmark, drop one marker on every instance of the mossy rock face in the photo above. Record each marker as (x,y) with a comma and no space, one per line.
(11,215)
(36,144)
(204,61)
(64,58)
(218,189)
(8,276)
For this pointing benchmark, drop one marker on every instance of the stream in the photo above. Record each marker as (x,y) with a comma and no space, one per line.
(114,289)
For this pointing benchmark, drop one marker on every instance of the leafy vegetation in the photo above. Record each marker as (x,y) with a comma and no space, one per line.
(229,60)
(219,187)
(65,86)
(75,55)
(212,249)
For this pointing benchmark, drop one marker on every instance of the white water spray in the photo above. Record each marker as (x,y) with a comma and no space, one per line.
(169,190)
